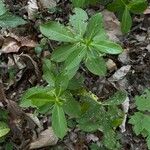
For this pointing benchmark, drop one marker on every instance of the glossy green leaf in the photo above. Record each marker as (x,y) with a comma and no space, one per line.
(94,26)
(95,64)
(4,129)
(56,31)
(137,6)
(9,20)
(79,21)
(126,22)
(61,53)
(59,123)
(75,58)
(107,46)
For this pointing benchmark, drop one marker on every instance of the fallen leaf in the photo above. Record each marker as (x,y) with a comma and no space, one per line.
(47,3)
(32,9)
(112,25)
(10,45)
(120,74)
(111,65)
(147,11)
(124,56)
(125,107)
(46,138)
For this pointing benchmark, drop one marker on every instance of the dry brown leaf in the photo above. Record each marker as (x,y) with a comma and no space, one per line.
(24,40)
(10,45)
(46,138)
(147,11)
(112,25)
(111,65)
(125,107)
(47,3)
(32,9)
(120,74)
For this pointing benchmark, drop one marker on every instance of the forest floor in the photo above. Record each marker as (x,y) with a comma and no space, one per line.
(21,68)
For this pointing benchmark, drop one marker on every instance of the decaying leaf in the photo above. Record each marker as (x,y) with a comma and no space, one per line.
(46,138)
(47,3)
(125,107)
(112,25)
(10,45)
(147,11)
(32,9)
(111,65)
(120,74)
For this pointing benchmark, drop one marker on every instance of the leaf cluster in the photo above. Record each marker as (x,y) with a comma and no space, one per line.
(72,101)
(141,119)
(84,40)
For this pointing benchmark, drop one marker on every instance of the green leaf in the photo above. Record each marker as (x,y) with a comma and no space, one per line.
(75,58)
(41,99)
(118,6)
(70,73)
(110,140)
(126,22)
(59,123)
(26,101)
(94,26)
(79,21)
(71,106)
(148,141)
(137,6)
(137,121)
(107,46)
(4,129)
(48,74)
(79,3)
(9,20)
(117,99)
(61,53)
(76,83)
(61,83)
(56,31)
(101,35)
(95,64)
(2,8)
(89,126)
(143,101)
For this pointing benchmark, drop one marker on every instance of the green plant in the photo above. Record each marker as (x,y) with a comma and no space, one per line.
(124,8)
(7,19)
(4,129)
(73,101)
(141,119)
(86,41)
